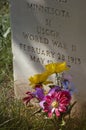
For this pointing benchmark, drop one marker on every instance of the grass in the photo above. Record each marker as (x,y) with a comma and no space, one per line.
(15,116)
(13,113)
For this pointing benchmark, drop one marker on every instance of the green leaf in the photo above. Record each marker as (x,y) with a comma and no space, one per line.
(71,106)
(63,123)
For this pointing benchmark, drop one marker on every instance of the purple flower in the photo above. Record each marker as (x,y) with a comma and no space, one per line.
(39,93)
(67,83)
(54,89)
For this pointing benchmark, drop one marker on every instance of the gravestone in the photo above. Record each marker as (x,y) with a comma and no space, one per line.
(45,31)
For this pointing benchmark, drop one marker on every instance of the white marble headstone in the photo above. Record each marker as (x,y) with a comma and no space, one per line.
(45,31)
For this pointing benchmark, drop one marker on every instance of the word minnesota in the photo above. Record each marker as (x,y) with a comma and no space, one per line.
(48,10)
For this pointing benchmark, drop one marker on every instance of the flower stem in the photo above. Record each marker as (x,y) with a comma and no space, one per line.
(57,123)
(58,79)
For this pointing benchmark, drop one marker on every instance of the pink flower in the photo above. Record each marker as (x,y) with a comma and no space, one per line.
(28,97)
(38,93)
(56,103)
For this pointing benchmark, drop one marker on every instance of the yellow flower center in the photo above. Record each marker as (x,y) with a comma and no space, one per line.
(54,104)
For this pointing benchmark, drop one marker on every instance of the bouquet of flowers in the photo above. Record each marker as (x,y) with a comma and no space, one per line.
(54,102)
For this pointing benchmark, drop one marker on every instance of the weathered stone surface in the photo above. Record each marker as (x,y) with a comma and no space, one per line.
(48,31)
